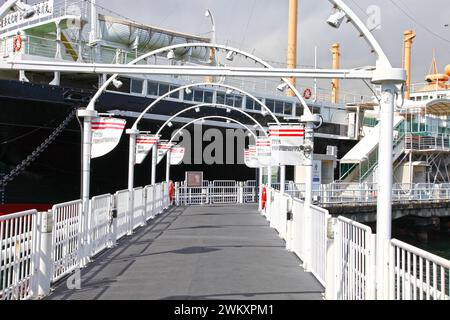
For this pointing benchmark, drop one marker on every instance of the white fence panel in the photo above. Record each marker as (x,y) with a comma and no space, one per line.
(122,200)
(18,244)
(298,229)
(319,221)
(355,262)
(417,275)
(224,192)
(100,224)
(158,199)
(139,208)
(149,202)
(68,228)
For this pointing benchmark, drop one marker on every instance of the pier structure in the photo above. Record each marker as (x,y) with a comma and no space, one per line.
(137,228)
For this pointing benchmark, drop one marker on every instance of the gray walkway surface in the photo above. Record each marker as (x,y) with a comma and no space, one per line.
(214,252)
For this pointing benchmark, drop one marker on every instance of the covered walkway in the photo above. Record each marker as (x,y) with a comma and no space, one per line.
(210,252)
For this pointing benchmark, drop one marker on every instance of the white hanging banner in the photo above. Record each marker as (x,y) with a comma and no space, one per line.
(264,152)
(176,155)
(286,144)
(144,144)
(250,157)
(163,148)
(106,134)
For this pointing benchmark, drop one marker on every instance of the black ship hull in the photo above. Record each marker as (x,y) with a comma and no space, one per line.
(30,113)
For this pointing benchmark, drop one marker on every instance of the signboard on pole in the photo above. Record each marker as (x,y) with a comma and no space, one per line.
(106,134)
(264,152)
(144,144)
(287,142)
(163,148)
(176,155)
(194,179)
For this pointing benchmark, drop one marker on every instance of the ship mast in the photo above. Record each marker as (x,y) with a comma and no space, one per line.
(292,41)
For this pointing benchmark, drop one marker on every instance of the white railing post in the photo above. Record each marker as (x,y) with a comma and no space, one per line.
(44,263)
(241,192)
(331,275)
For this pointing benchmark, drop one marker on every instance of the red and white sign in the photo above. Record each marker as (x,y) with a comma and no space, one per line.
(264,152)
(286,143)
(250,157)
(176,155)
(163,148)
(106,134)
(144,144)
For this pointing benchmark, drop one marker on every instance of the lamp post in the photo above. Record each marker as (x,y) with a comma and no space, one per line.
(388,78)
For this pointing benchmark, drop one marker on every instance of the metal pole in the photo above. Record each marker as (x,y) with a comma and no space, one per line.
(168,167)
(309,141)
(131,163)
(282,179)
(385,181)
(86,150)
(269,177)
(154,162)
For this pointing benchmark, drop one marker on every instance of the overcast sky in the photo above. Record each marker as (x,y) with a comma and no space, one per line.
(260,26)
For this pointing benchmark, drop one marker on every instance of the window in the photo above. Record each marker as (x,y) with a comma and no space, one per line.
(152,88)
(198,95)
(316,110)
(288,108)
(163,89)
(229,100)
(298,110)
(188,96)
(279,107)
(208,97)
(220,98)
(249,104)
(137,86)
(175,95)
(270,104)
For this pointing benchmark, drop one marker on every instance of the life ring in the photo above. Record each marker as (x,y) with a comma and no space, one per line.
(17,43)
(264,198)
(307,94)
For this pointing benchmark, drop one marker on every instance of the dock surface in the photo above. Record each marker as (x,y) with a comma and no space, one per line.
(197,253)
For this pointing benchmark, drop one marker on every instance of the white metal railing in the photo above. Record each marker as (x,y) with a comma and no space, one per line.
(319,231)
(351,193)
(18,244)
(123,216)
(68,227)
(217,192)
(139,208)
(435,142)
(354,261)
(100,222)
(416,274)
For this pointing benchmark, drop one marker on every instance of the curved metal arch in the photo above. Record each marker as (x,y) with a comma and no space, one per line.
(193,85)
(210,105)
(91,105)
(212,117)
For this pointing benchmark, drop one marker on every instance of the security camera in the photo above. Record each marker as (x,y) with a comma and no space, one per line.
(335,20)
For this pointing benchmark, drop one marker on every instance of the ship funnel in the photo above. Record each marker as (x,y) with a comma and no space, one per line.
(335,50)
(292,41)
(408,37)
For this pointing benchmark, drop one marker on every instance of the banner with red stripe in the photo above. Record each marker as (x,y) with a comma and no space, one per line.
(144,144)
(176,155)
(163,148)
(286,143)
(264,151)
(106,134)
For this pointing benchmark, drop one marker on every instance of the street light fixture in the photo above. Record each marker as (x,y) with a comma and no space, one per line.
(336,18)
(171,55)
(27,10)
(230,56)
(117,83)
(188,91)
(282,86)
(197,109)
